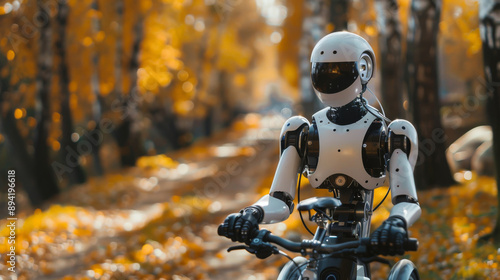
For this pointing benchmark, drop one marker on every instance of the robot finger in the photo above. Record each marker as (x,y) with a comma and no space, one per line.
(237,229)
(245,229)
(225,226)
(399,243)
(231,219)
(375,240)
(384,236)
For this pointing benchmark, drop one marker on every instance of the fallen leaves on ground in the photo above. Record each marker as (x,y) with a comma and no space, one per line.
(158,242)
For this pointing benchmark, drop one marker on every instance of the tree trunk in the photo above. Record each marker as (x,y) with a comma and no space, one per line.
(22,161)
(165,123)
(68,147)
(432,168)
(47,184)
(390,57)
(118,88)
(97,106)
(490,25)
(128,132)
(338,14)
(316,18)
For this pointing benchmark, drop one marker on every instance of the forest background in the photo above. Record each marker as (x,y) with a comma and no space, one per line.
(92,90)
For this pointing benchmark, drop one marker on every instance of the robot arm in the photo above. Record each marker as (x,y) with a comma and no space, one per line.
(403,151)
(278,204)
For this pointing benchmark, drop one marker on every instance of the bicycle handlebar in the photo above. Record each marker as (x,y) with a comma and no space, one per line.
(410,244)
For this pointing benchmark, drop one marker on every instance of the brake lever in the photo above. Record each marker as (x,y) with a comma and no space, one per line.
(379,260)
(239,247)
(257,246)
(262,251)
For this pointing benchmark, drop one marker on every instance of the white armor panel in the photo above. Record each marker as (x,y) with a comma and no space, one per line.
(340,151)
(410,212)
(292,124)
(285,178)
(340,46)
(401,176)
(404,127)
(275,210)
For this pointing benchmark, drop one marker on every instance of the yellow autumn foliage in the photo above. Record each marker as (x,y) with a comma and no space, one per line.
(232,55)
(158,161)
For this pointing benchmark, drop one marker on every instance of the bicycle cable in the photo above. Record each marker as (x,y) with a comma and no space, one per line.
(299,266)
(377,114)
(384,119)
(298,195)
(343,251)
(380,203)
(288,257)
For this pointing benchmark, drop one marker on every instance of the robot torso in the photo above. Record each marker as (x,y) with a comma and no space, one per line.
(347,154)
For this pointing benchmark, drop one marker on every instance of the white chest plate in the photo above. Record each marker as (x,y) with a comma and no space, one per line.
(340,151)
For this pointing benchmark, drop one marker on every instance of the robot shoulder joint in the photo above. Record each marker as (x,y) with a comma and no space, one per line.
(403,136)
(294,133)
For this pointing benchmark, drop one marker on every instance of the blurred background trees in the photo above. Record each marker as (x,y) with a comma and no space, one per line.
(423,93)
(87,87)
(90,86)
(490,22)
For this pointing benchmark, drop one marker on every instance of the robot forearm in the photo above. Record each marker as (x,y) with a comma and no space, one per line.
(409,211)
(404,195)
(402,163)
(285,178)
(275,210)
(401,177)
(278,204)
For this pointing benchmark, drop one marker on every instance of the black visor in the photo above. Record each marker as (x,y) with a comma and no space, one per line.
(333,77)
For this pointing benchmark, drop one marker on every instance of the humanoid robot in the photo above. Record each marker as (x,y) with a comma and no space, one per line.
(348,149)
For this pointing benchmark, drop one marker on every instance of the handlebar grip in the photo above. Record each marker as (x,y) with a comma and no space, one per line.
(221,231)
(411,244)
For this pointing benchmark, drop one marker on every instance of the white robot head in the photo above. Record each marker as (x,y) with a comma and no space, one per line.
(342,65)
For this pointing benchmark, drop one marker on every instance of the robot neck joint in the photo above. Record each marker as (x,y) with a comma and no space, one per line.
(347,114)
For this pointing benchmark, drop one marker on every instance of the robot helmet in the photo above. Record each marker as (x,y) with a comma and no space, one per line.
(342,63)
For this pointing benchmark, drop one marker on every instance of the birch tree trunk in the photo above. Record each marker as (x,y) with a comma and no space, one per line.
(390,60)
(432,168)
(490,26)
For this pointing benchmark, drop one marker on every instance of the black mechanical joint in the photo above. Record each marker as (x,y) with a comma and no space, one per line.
(285,197)
(405,198)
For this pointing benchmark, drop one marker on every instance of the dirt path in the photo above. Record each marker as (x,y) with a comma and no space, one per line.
(120,216)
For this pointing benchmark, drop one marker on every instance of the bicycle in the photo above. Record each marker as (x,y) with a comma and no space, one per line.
(330,257)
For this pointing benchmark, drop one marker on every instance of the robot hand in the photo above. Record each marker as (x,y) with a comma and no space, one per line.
(389,238)
(240,226)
